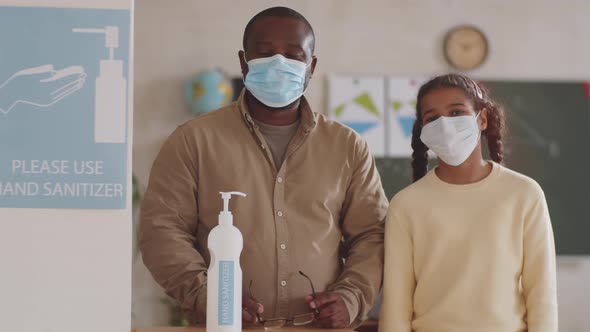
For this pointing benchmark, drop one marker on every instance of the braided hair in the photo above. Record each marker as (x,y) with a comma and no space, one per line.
(481,99)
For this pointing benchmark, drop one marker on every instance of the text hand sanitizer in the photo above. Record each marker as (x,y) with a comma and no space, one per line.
(224,278)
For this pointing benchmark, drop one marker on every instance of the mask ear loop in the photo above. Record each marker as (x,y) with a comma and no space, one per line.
(479,95)
(479,132)
(246,61)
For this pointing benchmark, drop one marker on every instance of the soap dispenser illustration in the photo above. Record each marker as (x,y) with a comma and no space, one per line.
(224,277)
(110,102)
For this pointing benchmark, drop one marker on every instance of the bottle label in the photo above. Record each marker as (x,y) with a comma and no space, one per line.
(226,293)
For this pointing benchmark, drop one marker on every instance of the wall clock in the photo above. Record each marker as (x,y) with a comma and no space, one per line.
(466,47)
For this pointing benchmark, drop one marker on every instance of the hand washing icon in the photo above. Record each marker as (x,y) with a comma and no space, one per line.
(41,86)
(45,86)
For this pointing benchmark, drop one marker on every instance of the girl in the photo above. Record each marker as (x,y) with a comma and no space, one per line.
(469,245)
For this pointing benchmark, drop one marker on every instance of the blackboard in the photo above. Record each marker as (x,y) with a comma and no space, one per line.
(549,140)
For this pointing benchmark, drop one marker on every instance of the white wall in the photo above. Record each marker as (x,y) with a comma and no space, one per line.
(529,39)
(67,270)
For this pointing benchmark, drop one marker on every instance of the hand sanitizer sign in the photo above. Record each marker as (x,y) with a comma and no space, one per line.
(64,78)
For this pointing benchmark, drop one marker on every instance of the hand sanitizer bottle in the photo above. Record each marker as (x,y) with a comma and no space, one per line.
(224,278)
(110,105)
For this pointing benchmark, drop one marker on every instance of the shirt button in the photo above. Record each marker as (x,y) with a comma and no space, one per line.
(280,214)
(283,246)
(280,179)
(283,283)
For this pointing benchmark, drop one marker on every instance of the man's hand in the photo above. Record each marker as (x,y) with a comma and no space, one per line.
(333,313)
(250,307)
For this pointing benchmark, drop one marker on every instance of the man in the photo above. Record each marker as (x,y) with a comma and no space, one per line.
(315,202)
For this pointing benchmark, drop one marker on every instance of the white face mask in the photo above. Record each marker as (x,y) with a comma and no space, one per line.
(453,139)
(276,81)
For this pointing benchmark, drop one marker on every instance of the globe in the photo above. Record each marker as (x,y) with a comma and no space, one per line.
(207,91)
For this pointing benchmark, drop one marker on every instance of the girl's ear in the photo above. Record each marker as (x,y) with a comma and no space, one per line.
(483,119)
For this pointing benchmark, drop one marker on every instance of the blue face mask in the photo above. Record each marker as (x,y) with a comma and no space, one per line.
(276,81)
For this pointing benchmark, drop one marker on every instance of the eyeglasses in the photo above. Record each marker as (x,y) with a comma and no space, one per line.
(298,320)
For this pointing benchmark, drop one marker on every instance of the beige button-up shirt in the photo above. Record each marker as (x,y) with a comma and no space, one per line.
(321,212)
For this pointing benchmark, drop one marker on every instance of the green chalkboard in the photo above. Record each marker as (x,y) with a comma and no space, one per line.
(549,140)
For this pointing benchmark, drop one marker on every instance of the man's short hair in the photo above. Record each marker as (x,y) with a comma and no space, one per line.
(277,12)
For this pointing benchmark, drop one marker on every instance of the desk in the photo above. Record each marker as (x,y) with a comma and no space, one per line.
(202,329)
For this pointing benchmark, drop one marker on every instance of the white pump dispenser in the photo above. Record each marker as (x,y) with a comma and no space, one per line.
(111,92)
(224,277)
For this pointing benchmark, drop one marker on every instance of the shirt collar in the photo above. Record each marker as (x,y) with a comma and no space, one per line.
(308,118)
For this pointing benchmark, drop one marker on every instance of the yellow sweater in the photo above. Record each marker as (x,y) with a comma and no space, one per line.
(477,257)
